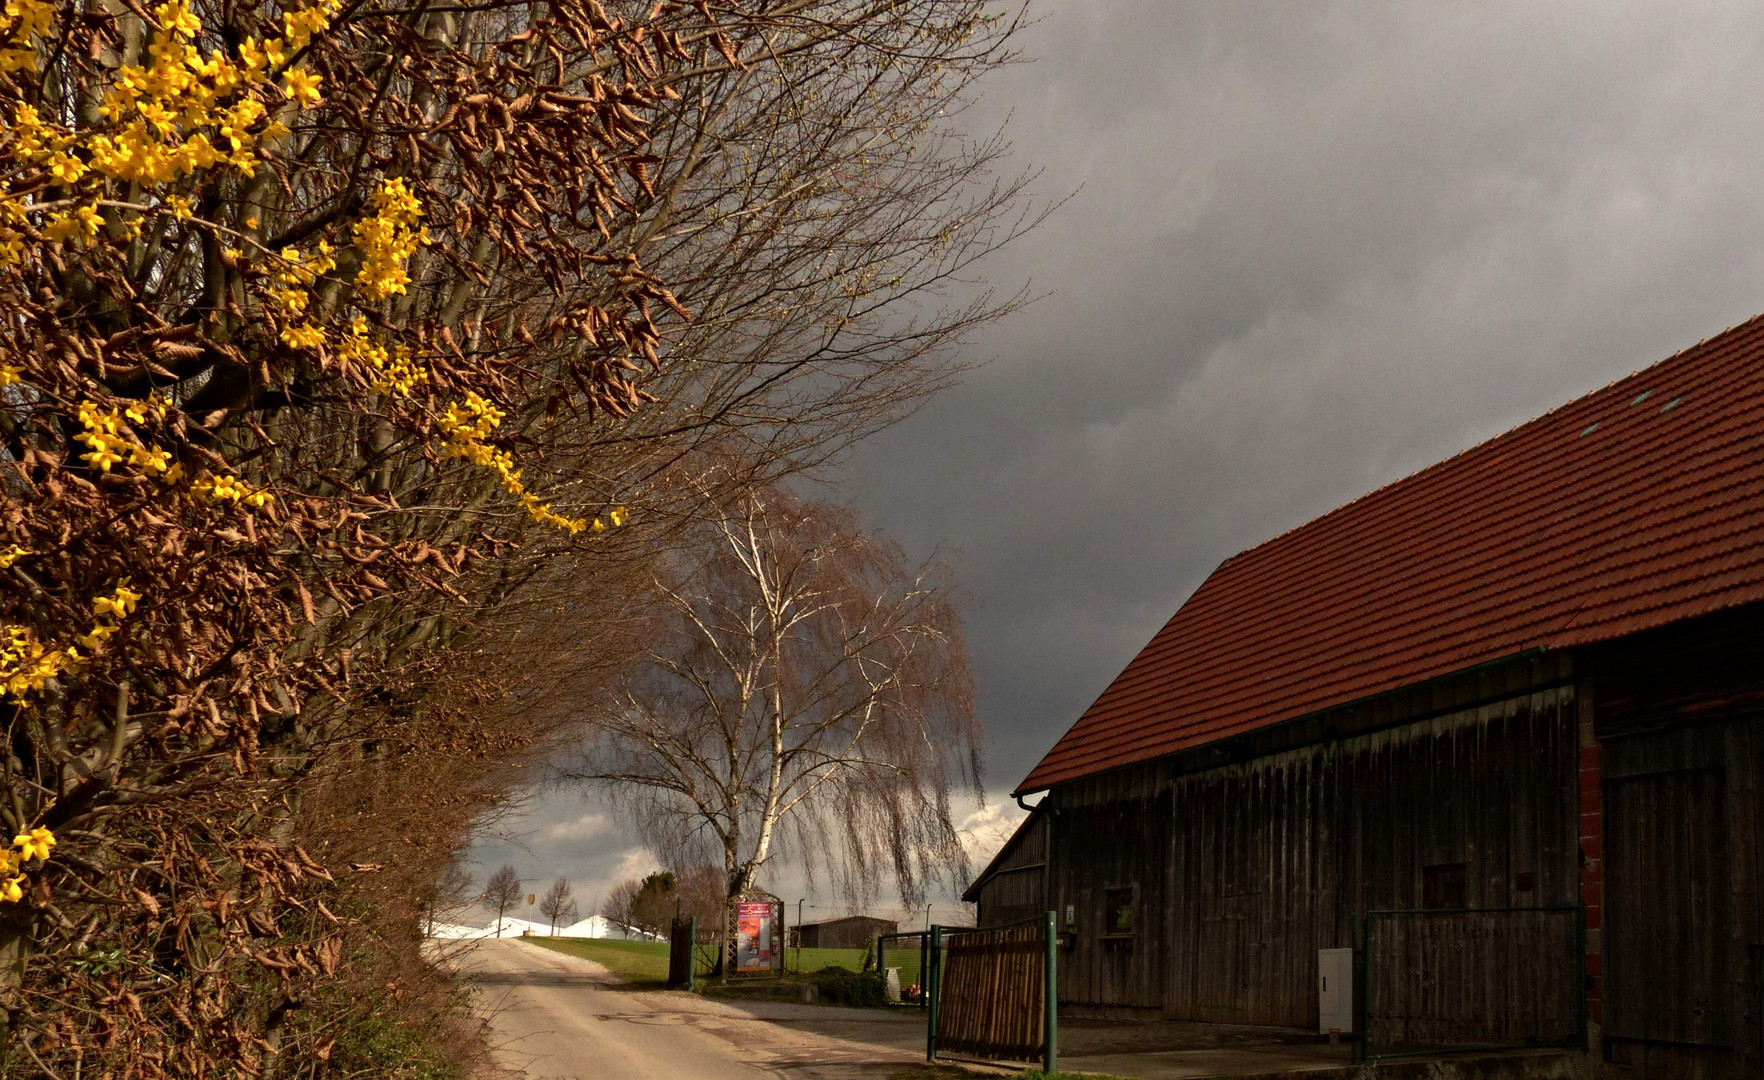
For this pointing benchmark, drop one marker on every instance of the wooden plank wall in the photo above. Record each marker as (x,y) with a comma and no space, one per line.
(1112,832)
(1677,714)
(1014,888)
(1475,978)
(1682,925)
(1275,858)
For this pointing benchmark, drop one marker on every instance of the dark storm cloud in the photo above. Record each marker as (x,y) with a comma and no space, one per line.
(1316,247)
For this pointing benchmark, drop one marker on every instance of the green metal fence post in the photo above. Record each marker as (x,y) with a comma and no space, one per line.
(691,954)
(1050,1003)
(934,987)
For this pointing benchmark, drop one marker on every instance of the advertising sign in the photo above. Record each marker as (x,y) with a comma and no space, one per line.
(755,946)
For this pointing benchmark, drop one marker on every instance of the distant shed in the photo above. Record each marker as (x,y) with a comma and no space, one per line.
(851,932)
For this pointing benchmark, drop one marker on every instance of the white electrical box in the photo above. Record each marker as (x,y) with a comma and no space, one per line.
(1335,991)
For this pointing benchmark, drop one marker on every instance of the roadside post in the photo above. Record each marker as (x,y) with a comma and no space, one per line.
(933,988)
(1050,1023)
(692,954)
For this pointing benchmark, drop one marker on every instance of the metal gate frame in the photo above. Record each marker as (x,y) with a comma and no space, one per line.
(1364,990)
(882,952)
(1050,1025)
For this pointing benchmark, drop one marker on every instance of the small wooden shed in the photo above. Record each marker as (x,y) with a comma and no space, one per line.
(851,932)
(1526,683)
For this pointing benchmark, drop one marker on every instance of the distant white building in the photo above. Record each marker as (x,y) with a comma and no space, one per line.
(594,926)
(599,926)
(507,926)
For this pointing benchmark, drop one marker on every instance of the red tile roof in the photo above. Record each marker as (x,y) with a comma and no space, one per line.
(1637,505)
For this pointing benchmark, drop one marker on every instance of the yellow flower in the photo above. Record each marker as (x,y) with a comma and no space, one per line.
(10,555)
(10,891)
(302,86)
(251,223)
(304,336)
(66,168)
(99,634)
(617,515)
(177,19)
(10,373)
(119,605)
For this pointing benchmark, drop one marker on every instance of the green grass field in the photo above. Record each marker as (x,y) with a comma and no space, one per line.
(647,961)
(811,960)
(638,962)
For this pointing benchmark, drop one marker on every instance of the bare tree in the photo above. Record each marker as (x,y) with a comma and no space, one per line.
(450,891)
(295,429)
(556,901)
(619,900)
(502,891)
(810,694)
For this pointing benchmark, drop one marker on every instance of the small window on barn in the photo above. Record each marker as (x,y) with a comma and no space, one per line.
(1442,887)
(1525,881)
(1118,912)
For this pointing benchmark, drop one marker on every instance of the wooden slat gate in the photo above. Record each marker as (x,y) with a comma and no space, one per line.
(1436,981)
(992,994)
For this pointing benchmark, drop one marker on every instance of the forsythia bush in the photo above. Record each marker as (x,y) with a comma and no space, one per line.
(266,389)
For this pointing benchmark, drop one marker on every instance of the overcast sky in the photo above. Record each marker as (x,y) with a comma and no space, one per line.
(1314,247)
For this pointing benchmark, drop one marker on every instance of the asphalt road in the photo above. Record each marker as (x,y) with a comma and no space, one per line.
(558,1017)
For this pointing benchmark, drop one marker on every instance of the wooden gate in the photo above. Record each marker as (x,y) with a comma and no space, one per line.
(992,993)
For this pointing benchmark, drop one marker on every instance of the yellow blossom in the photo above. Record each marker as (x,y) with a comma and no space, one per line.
(35,844)
(302,86)
(305,336)
(119,605)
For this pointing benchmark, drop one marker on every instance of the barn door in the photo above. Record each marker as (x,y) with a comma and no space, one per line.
(1667,900)
(1681,925)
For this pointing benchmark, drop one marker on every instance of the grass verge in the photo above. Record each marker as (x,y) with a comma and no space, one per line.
(639,963)
(957,1072)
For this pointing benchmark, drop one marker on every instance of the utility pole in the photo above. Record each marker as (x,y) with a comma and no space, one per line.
(799,935)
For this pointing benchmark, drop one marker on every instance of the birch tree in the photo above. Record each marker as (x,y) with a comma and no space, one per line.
(810,698)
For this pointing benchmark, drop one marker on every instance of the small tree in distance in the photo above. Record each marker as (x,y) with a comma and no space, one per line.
(556,902)
(502,891)
(810,690)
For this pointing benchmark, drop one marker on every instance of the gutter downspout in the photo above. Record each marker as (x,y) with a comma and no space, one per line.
(1047,858)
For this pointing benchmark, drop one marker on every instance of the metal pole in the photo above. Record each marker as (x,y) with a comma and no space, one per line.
(691,953)
(799,935)
(935,988)
(1050,1023)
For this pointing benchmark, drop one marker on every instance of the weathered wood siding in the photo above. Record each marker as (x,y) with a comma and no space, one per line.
(1682,743)
(1473,978)
(1112,832)
(1014,888)
(1275,858)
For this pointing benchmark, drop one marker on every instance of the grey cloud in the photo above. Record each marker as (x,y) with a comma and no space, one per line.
(1314,248)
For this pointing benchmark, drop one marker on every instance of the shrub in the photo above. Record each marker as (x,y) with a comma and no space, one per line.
(837,986)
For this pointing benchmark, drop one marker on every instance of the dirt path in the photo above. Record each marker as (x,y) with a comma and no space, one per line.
(559,1017)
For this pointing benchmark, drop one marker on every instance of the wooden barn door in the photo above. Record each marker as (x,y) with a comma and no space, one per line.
(1681,893)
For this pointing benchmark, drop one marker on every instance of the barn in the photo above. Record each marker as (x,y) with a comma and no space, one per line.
(1497,728)
(851,932)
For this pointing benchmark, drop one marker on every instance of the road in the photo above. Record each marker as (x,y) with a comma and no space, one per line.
(558,1017)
